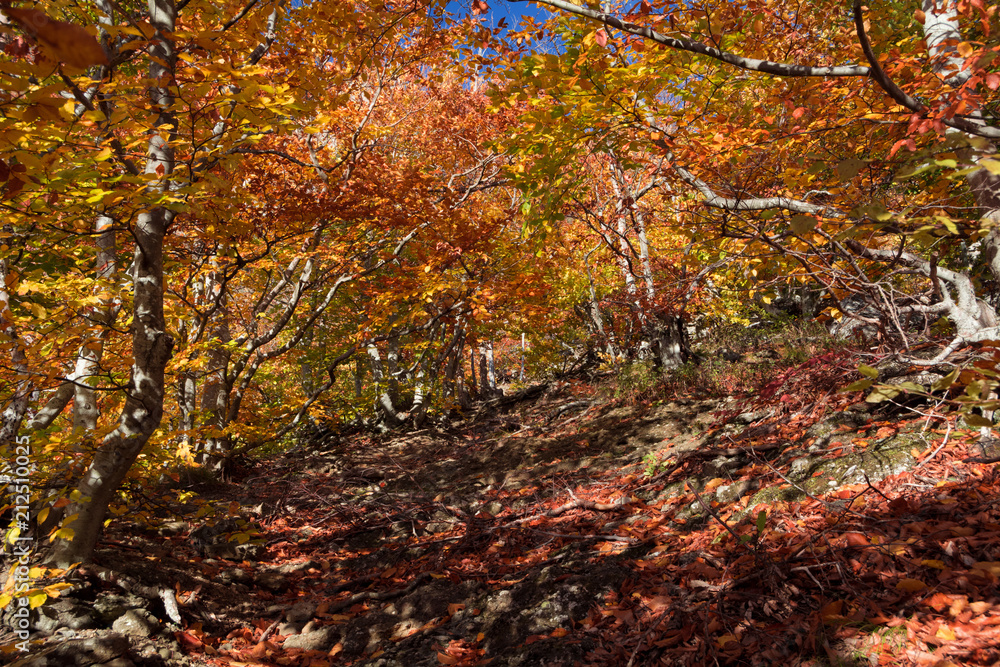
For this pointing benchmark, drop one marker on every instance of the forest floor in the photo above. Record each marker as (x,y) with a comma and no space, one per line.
(568,525)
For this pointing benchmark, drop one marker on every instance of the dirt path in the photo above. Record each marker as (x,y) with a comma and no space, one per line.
(565,529)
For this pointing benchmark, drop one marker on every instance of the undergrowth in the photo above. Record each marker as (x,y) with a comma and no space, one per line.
(730,361)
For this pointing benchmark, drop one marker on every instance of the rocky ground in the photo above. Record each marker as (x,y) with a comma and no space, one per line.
(564,526)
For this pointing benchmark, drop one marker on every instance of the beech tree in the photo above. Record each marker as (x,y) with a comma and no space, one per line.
(131,143)
(258,201)
(856,144)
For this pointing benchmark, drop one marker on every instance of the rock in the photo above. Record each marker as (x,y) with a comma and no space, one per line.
(230,539)
(847,326)
(730,355)
(850,417)
(64,613)
(110,649)
(289,629)
(301,611)
(292,568)
(272,580)
(438,527)
(720,466)
(137,623)
(172,528)
(801,467)
(110,607)
(925,379)
(235,575)
(733,492)
(751,417)
(317,640)
(250,551)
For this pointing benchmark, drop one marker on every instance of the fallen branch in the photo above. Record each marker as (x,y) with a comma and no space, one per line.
(374,595)
(575,504)
(132,585)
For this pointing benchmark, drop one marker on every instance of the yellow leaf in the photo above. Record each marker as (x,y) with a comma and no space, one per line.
(946,633)
(910,585)
(36,598)
(55,590)
(62,534)
(993,166)
(725,639)
(992,567)
(936,564)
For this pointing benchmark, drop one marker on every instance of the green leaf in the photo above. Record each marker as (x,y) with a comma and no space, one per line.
(860,385)
(816,168)
(802,224)
(761,521)
(868,371)
(849,168)
(882,393)
(977,421)
(946,381)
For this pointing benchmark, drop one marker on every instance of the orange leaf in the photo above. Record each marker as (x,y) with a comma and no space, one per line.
(559,632)
(446,659)
(910,585)
(66,42)
(832,610)
(855,540)
(714,483)
(938,601)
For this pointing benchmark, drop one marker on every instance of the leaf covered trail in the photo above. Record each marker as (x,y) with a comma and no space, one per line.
(605,533)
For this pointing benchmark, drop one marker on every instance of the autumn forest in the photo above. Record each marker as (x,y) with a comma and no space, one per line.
(699,300)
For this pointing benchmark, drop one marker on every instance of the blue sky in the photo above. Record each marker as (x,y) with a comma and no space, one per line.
(501,9)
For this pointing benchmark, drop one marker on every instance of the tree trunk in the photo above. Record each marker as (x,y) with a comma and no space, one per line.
(151,344)
(670,341)
(17,405)
(216,388)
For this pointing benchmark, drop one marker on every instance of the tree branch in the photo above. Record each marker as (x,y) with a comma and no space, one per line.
(682,44)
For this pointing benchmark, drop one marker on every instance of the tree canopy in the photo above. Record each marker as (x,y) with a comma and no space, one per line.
(225,221)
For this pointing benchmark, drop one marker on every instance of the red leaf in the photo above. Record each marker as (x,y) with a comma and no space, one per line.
(601,37)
